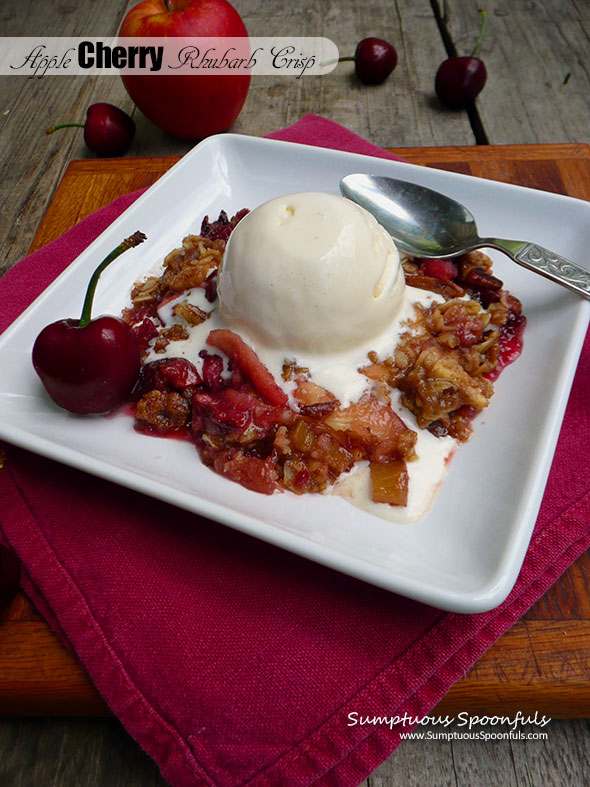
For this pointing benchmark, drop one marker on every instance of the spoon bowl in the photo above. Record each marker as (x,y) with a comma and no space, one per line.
(426,223)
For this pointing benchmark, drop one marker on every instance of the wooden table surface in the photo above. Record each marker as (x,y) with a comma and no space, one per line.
(529,49)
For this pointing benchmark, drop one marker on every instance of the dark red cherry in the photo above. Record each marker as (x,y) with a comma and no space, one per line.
(108,131)
(439,269)
(459,80)
(374,60)
(88,369)
(89,366)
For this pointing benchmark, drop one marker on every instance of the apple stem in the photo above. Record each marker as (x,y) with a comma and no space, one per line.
(128,243)
(51,129)
(481,29)
(167,5)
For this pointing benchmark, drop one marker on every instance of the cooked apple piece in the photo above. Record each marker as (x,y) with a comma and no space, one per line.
(249,364)
(309,393)
(389,482)
(302,437)
(377,427)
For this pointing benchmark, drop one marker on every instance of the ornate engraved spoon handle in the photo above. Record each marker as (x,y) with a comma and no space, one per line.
(547,263)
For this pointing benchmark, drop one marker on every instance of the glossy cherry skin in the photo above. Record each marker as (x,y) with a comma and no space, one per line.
(374,60)
(91,369)
(108,130)
(459,80)
(9,575)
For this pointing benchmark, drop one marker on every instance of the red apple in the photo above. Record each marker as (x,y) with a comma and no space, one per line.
(185,105)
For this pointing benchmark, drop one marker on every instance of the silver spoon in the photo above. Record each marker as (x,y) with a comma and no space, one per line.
(425,223)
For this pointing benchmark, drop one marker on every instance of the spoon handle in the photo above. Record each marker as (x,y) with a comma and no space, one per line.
(547,263)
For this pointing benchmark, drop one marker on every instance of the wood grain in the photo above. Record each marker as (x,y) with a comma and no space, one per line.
(398,112)
(72,753)
(541,664)
(30,162)
(529,49)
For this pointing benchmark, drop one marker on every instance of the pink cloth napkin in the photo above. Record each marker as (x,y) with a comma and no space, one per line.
(230,661)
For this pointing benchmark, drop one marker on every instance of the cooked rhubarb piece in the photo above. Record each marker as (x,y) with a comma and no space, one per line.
(302,437)
(218,415)
(389,482)
(321,444)
(249,364)
(234,411)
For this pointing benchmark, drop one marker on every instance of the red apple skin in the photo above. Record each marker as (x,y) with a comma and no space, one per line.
(184,105)
(91,369)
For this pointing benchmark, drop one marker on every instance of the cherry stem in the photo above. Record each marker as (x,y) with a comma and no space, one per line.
(481,29)
(349,59)
(51,129)
(128,243)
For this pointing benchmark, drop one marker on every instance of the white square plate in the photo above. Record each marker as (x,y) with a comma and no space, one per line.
(466,554)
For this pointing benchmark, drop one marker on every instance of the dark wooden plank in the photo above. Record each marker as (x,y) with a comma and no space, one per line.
(561,759)
(68,752)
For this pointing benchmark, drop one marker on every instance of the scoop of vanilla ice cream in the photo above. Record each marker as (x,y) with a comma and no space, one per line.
(311,272)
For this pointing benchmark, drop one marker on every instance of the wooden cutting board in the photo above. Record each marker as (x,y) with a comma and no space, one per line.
(541,664)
